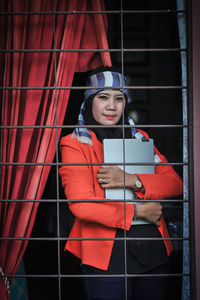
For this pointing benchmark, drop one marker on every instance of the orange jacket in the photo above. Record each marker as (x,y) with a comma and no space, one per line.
(101,219)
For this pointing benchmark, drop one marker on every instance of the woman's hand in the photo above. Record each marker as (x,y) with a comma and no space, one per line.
(113,177)
(150,211)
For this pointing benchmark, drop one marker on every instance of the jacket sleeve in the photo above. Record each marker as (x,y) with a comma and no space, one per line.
(78,183)
(164,184)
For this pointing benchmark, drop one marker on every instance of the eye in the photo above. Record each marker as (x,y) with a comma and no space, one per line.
(119,98)
(103,97)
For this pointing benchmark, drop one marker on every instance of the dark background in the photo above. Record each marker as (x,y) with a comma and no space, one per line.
(148,107)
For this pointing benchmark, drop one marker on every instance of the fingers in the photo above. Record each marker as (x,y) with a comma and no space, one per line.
(157,217)
(102,170)
(106,176)
(157,223)
(105,183)
(102,178)
(105,169)
(152,212)
(103,175)
(157,220)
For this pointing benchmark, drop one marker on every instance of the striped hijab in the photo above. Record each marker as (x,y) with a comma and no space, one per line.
(98,82)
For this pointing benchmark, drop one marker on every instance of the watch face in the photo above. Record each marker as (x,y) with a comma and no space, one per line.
(138,184)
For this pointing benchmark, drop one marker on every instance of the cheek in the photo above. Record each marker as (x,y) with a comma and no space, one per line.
(96,109)
(121,107)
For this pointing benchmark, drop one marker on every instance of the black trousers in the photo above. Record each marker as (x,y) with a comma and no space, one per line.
(130,288)
(143,257)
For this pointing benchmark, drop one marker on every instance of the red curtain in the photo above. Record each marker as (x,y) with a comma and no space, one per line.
(38,107)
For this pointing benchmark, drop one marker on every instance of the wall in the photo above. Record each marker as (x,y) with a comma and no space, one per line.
(196,128)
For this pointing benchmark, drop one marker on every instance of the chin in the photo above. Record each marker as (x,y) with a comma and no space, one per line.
(109,123)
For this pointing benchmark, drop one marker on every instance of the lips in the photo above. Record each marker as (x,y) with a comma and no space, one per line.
(110,117)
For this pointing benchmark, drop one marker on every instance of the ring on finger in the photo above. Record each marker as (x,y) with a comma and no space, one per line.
(103,180)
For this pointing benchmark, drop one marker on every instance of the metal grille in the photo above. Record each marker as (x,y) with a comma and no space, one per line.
(121,54)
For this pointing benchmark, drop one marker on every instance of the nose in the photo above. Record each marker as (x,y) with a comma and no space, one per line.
(111,103)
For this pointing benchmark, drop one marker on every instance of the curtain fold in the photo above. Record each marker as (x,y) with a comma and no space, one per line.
(37,106)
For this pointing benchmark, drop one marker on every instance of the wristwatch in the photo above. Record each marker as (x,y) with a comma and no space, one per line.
(138,184)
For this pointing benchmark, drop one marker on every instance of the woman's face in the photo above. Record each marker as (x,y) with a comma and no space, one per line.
(108,106)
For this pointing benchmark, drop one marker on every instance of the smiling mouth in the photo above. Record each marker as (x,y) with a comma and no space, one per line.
(109,116)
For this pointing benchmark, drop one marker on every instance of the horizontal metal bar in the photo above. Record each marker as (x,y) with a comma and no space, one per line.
(86,88)
(92,200)
(96,275)
(76,12)
(93,126)
(95,50)
(90,239)
(91,164)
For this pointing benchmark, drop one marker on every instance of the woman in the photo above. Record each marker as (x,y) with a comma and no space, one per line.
(103,220)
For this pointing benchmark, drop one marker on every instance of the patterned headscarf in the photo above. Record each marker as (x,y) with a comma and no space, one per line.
(106,79)
(98,82)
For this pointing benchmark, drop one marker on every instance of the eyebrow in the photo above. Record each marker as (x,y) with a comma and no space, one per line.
(105,93)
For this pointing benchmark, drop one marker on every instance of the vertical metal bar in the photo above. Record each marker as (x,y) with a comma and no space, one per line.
(57,180)
(186,256)
(122,70)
